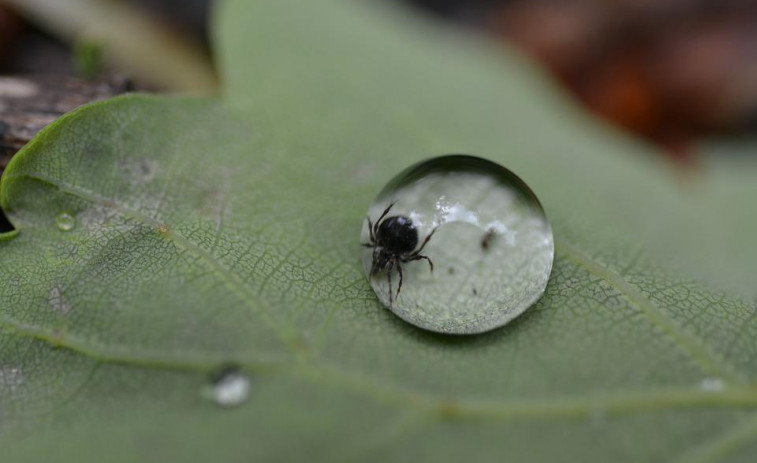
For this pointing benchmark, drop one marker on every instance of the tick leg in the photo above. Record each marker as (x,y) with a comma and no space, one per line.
(383,214)
(399,286)
(419,257)
(366,245)
(370,230)
(389,278)
(416,253)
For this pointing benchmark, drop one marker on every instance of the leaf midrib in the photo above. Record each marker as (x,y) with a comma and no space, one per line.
(315,371)
(711,363)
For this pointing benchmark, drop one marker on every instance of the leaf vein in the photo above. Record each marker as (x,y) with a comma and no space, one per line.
(711,363)
(286,334)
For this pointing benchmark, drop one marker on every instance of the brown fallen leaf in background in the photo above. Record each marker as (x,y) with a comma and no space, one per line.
(671,71)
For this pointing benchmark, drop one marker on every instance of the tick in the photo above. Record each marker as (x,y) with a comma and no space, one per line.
(488,238)
(393,240)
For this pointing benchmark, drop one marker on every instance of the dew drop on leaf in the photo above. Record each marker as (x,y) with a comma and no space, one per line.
(483,221)
(65,221)
(229,388)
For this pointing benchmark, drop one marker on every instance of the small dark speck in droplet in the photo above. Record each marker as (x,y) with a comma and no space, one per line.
(475,293)
(487,239)
(451,270)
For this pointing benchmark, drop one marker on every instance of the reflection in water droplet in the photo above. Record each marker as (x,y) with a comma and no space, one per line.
(712,384)
(65,221)
(487,225)
(229,388)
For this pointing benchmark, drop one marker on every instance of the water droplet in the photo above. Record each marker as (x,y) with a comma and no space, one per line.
(482,220)
(65,221)
(712,384)
(229,388)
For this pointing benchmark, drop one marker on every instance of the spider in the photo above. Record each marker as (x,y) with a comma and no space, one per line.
(393,241)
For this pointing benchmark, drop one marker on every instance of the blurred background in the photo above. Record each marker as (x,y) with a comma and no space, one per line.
(671,72)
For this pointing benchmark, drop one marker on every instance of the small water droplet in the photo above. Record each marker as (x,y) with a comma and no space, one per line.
(229,388)
(712,384)
(65,221)
(480,219)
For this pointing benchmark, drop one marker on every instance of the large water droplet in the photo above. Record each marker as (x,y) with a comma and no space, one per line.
(229,388)
(65,221)
(491,248)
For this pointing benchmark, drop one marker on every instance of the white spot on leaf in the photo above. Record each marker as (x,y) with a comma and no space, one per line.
(230,389)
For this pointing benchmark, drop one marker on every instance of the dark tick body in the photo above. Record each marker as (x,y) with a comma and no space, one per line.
(393,240)
(488,238)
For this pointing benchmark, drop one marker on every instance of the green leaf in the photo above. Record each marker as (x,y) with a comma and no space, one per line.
(225,231)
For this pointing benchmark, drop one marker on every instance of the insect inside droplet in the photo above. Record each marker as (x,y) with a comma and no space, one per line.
(393,241)
(446,211)
(487,239)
